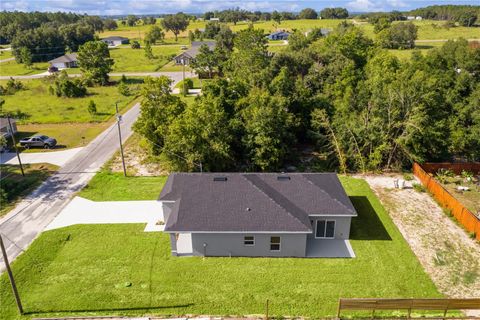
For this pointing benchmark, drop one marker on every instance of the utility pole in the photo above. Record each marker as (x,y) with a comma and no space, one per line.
(10,275)
(201,167)
(119,119)
(15,144)
(183,64)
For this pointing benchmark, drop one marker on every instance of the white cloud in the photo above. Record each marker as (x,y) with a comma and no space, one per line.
(362,5)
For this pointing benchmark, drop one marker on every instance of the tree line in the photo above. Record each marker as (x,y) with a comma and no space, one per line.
(235,15)
(360,107)
(465,15)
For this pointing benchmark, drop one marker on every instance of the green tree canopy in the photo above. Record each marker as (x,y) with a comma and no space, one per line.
(95,62)
(175,23)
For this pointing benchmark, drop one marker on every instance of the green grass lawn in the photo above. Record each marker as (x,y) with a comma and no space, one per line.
(106,186)
(428,29)
(5,54)
(12,68)
(17,186)
(88,269)
(134,60)
(43,107)
(68,135)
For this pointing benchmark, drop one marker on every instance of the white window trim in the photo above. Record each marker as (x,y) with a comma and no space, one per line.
(326,220)
(279,244)
(249,245)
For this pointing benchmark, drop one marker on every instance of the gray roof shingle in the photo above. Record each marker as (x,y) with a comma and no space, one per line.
(252,202)
(195,48)
(69,57)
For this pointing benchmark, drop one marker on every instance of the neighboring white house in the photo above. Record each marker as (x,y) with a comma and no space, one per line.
(214,19)
(418,18)
(115,41)
(258,214)
(66,61)
(5,128)
(410,18)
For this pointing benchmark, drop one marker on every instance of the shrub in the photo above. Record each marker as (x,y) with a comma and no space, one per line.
(135,44)
(3,141)
(11,87)
(188,85)
(123,79)
(92,108)
(65,87)
(418,187)
(407,176)
(123,89)
(443,174)
(467,175)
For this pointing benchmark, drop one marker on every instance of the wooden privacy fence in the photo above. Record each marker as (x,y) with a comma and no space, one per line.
(408,305)
(467,218)
(457,167)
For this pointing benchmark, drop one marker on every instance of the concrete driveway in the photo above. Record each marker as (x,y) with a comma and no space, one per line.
(58,158)
(84,211)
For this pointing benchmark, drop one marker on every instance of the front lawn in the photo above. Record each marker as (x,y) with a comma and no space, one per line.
(106,186)
(40,106)
(15,187)
(119,269)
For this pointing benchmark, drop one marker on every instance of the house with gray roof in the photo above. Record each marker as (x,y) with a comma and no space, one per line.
(257,214)
(114,41)
(188,55)
(68,60)
(278,35)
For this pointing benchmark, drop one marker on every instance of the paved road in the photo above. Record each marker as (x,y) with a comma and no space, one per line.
(8,59)
(175,75)
(30,217)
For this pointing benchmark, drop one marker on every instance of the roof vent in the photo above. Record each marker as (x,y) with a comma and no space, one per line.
(283,178)
(219,178)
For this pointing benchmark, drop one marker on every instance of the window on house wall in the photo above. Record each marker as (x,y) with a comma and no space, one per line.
(274,243)
(249,240)
(325,229)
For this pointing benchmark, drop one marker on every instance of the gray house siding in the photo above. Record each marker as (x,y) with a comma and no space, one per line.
(167,207)
(342,227)
(232,244)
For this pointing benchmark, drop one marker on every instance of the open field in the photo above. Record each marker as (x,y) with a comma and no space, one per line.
(134,60)
(12,68)
(17,186)
(428,29)
(119,269)
(42,107)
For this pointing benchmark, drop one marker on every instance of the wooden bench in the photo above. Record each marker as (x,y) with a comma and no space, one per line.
(372,304)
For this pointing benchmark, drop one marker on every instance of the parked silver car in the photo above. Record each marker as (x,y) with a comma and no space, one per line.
(38,141)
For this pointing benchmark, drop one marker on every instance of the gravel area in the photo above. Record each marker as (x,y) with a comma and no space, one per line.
(445,250)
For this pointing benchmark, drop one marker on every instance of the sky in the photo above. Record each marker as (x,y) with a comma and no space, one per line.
(120,7)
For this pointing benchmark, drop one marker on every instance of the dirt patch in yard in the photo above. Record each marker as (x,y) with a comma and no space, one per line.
(137,160)
(445,250)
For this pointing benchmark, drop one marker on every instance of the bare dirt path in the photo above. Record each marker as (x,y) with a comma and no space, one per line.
(445,250)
